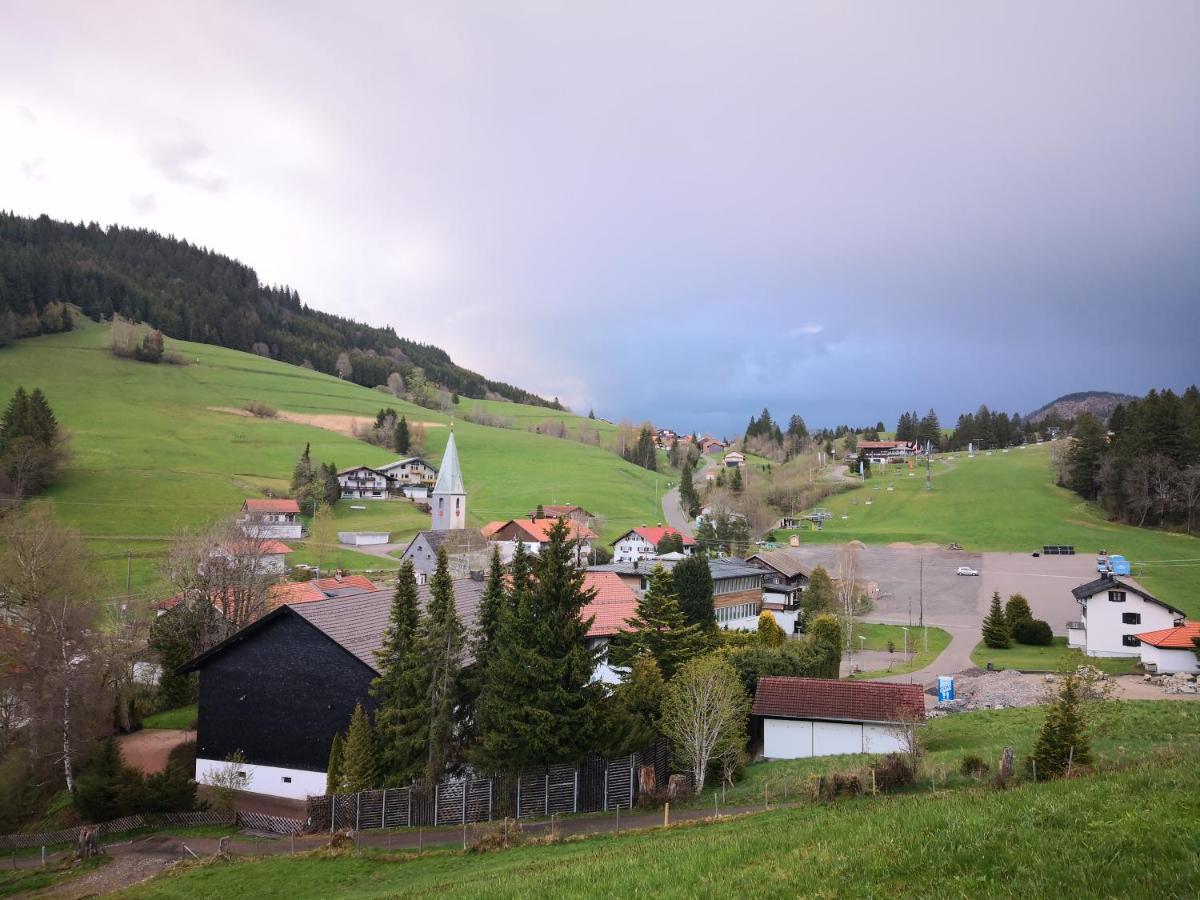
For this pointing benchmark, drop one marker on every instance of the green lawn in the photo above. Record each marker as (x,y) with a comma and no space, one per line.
(1044,659)
(151,453)
(26,881)
(877,637)
(1082,837)
(178,719)
(1004,502)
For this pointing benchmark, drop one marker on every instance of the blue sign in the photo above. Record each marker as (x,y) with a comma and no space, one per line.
(945,688)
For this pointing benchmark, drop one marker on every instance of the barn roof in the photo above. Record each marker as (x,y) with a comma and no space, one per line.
(851,701)
(356,622)
(785,562)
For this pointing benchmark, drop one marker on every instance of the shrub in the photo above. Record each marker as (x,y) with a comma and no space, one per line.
(896,770)
(1062,742)
(1034,632)
(1016,609)
(260,409)
(839,784)
(107,788)
(973,766)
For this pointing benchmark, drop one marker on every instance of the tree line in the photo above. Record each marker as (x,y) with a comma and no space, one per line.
(195,294)
(1143,466)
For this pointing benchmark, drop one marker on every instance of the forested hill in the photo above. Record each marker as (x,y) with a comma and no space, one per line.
(1099,403)
(195,294)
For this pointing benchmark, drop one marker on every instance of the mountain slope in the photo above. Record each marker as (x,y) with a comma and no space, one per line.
(195,294)
(1099,403)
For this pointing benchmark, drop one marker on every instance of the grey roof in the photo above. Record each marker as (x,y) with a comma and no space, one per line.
(450,480)
(722,567)
(358,622)
(455,540)
(785,562)
(404,462)
(1108,583)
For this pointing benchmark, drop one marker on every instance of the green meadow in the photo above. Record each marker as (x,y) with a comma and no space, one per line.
(1005,502)
(153,452)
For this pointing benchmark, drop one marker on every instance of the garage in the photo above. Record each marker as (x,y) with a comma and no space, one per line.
(805,717)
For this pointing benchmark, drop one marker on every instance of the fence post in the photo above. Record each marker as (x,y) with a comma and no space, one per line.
(383,811)
(547,793)
(491,781)
(518,796)
(575,796)
(631,787)
(435,804)
(466,790)
(606,788)
(357,810)
(332,812)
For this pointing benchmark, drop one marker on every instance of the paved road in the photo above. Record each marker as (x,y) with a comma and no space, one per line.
(673,513)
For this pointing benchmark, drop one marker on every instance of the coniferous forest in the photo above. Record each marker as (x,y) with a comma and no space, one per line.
(195,294)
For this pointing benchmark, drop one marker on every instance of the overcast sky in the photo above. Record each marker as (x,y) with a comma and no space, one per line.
(677,211)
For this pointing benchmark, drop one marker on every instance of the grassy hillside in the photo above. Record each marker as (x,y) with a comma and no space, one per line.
(968,842)
(1006,502)
(152,452)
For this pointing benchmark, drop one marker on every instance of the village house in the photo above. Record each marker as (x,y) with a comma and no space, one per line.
(279,689)
(734,459)
(270,518)
(880,453)
(572,513)
(1115,611)
(405,478)
(806,717)
(642,543)
(784,580)
(534,534)
(268,556)
(1171,650)
(737,587)
(613,605)
(466,551)
(292,592)
(710,445)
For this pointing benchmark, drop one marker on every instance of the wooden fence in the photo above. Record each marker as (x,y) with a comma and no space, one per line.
(117,826)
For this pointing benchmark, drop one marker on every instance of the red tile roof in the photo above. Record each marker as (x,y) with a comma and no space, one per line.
(854,701)
(554,512)
(491,528)
(1181,637)
(271,506)
(615,603)
(654,535)
(264,548)
(539,530)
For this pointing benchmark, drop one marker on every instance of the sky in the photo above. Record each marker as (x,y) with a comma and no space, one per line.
(679,211)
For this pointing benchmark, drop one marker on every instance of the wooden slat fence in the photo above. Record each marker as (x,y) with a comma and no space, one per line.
(116,826)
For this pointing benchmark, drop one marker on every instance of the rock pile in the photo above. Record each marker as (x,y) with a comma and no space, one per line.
(996,690)
(1179,683)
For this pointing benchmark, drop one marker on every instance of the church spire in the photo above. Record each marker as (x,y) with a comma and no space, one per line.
(449,499)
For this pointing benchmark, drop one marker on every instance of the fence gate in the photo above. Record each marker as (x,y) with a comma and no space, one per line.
(619,783)
(533,794)
(563,789)
(397,808)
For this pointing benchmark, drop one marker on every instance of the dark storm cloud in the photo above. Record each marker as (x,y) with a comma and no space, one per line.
(682,211)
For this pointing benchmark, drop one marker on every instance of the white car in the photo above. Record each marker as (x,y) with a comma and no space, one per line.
(966,570)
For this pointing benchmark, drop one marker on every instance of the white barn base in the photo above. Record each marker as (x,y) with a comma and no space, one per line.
(295,784)
(804,738)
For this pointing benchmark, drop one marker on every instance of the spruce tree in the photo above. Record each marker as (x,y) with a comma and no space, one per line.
(302,474)
(487,630)
(442,641)
(819,596)
(400,437)
(17,421)
(43,427)
(360,766)
(1063,739)
(333,774)
(996,633)
(401,687)
(1015,609)
(658,629)
(694,590)
(331,487)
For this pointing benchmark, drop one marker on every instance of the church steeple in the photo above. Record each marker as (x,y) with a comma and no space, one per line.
(449,499)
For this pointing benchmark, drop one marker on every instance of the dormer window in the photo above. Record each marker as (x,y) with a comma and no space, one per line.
(1116,596)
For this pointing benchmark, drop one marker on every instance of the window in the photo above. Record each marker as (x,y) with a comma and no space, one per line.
(1116,596)
(1131,618)
(1130,640)
(287,779)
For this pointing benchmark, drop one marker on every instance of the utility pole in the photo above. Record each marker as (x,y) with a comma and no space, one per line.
(922,607)
(128,572)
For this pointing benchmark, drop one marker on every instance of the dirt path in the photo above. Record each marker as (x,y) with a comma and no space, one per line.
(150,748)
(342,424)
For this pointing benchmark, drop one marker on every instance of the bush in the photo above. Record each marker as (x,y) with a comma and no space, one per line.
(1034,632)
(260,409)
(1016,609)
(107,788)
(896,770)
(973,766)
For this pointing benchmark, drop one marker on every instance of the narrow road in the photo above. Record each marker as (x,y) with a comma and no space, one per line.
(673,513)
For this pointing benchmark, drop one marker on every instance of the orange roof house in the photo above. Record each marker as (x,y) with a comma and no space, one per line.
(614,604)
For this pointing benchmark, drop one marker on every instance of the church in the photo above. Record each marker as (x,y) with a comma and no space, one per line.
(448,503)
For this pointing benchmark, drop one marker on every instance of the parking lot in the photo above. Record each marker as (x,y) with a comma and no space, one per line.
(1045,581)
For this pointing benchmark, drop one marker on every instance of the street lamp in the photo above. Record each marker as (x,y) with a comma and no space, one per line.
(904,628)
(861,643)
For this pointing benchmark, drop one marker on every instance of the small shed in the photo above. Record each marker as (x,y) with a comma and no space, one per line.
(363,538)
(804,717)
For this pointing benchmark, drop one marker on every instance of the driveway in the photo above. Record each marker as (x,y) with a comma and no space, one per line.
(150,748)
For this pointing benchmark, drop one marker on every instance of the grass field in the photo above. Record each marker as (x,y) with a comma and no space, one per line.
(1043,659)
(152,453)
(178,719)
(877,637)
(1006,502)
(1090,840)
(27,881)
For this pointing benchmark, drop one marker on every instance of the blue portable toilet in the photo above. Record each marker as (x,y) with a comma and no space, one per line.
(945,686)
(1118,565)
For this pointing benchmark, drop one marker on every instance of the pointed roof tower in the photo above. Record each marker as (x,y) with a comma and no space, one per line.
(449,480)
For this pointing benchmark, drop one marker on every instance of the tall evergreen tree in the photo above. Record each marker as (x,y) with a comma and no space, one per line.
(487,632)
(360,766)
(694,589)
(443,641)
(658,629)
(401,438)
(333,774)
(302,474)
(996,632)
(1085,455)
(401,687)
(688,497)
(1062,741)
(331,487)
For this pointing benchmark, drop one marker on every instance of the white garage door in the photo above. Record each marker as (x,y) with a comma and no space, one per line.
(882,739)
(787,739)
(833,738)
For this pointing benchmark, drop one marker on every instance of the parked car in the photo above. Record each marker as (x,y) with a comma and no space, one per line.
(966,570)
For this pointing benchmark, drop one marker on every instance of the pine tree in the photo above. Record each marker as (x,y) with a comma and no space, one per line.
(360,766)
(687,489)
(42,424)
(333,774)
(694,590)
(996,633)
(1063,739)
(302,474)
(331,487)
(735,483)
(1015,609)
(442,640)
(401,687)
(17,421)
(401,438)
(658,629)
(487,630)
(769,633)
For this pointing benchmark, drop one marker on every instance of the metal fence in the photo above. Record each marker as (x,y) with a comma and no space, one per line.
(599,784)
(127,823)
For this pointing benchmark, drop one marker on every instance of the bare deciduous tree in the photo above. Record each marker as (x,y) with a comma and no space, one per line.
(846,583)
(704,713)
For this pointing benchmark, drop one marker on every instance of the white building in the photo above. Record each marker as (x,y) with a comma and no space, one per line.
(1115,612)
(409,477)
(448,504)
(642,543)
(803,717)
(269,555)
(363,538)
(1171,650)
(364,483)
(271,519)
